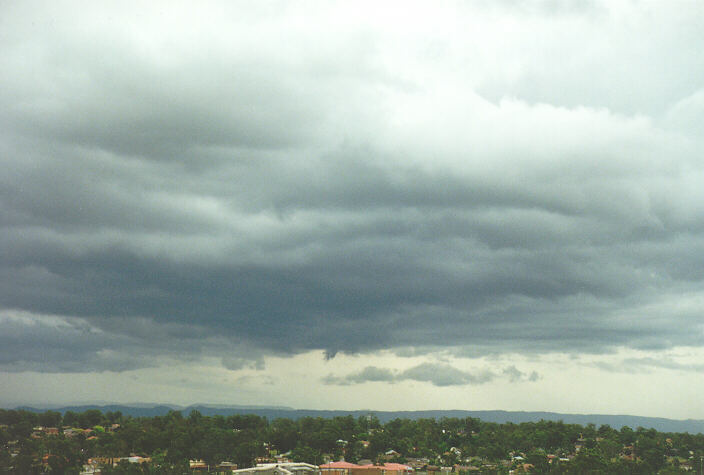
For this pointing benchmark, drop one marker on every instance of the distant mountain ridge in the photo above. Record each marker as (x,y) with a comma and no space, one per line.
(693,426)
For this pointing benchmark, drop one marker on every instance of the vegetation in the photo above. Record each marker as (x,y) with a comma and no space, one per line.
(49,442)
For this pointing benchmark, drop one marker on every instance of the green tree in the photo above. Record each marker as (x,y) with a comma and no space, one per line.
(304,453)
(284,434)
(539,459)
(70,419)
(90,418)
(589,461)
(50,419)
(609,448)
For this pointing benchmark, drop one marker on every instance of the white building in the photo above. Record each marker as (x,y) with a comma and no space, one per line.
(285,468)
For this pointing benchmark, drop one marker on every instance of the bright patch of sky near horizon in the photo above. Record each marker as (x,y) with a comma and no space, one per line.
(410,205)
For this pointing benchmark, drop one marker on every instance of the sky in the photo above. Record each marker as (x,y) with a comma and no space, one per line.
(354,205)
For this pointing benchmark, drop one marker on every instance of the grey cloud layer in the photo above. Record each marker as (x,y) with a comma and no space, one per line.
(48,343)
(239,177)
(437,374)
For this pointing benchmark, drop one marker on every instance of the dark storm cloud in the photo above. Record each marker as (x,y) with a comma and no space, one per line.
(252,184)
(46,343)
(50,344)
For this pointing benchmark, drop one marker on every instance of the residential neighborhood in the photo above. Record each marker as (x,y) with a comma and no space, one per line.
(93,442)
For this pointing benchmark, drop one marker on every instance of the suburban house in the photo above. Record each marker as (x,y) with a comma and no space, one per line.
(338,468)
(286,468)
(346,468)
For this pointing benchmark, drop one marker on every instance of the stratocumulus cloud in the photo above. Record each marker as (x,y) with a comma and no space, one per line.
(437,374)
(237,182)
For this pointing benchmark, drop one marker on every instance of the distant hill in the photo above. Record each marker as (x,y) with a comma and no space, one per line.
(616,421)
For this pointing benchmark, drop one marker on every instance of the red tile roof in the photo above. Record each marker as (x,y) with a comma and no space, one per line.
(396,466)
(340,465)
(348,465)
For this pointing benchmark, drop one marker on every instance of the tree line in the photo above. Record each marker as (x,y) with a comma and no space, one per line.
(465,444)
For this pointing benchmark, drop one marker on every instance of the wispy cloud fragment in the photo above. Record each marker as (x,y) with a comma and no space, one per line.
(437,374)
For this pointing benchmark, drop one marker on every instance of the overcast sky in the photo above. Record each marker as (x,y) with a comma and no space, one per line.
(410,205)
